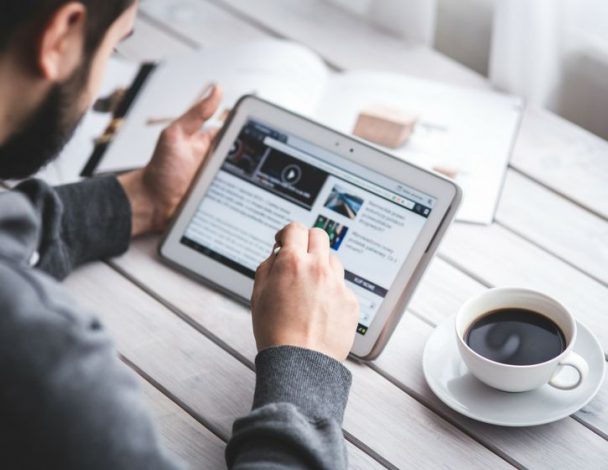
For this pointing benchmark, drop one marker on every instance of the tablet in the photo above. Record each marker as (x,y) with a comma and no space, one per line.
(384,217)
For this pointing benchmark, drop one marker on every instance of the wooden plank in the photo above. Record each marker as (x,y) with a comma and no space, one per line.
(556,224)
(359,460)
(195,445)
(377,410)
(213,385)
(498,257)
(595,414)
(439,296)
(181,434)
(564,444)
(568,159)
(176,356)
(442,291)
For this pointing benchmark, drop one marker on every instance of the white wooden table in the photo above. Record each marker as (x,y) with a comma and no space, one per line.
(193,348)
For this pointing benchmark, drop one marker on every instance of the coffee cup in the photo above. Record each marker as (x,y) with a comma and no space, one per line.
(517,340)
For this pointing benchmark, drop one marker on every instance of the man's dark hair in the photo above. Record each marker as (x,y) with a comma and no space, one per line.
(46,131)
(31,15)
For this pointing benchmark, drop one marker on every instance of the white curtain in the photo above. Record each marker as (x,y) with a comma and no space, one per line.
(555,53)
(552,52)
(413,20)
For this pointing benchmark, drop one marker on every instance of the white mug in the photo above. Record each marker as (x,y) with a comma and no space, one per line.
(520,378)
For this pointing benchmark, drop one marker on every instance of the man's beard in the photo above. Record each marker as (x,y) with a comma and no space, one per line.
(47,131)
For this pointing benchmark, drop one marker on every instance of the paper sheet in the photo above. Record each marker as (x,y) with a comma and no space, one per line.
(468,130)
(278,71)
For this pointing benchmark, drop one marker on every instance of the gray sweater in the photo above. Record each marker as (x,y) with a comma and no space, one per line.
(67,402)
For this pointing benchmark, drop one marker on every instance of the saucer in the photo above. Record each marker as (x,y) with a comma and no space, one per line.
(449,378)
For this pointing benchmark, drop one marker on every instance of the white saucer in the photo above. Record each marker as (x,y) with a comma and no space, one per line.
(451,381)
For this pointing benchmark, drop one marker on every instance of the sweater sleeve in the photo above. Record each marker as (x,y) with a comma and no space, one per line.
(66,400)
(78,223)
(297,414)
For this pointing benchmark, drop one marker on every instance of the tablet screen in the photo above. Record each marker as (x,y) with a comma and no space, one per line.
(271,178)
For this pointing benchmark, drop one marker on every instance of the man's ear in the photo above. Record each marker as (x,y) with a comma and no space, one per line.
(61,43)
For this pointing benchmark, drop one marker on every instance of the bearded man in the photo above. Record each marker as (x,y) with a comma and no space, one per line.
(66,401)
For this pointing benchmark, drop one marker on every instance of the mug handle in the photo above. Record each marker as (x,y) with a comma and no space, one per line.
(576,362)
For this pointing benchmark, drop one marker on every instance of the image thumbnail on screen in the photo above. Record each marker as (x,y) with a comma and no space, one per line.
(336,231)
(343,203)
(246,155)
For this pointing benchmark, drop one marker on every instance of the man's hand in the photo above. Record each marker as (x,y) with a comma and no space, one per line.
(156,190)
(300,298)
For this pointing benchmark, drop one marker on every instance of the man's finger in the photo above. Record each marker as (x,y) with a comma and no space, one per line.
(266,266)
(293,237)
(205,138)
(261,276)
(273,256)
(193,119)
(263,270)
(206,135)
(212,133)
(336,265)
(318,242)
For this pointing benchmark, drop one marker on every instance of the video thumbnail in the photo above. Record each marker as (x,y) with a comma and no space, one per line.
(245,155)
(291,178)
(336,231)
(253,159)
(343,203)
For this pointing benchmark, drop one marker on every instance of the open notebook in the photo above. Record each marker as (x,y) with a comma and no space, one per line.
(467,131)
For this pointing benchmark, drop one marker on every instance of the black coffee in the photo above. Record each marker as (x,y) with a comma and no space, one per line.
(516,336)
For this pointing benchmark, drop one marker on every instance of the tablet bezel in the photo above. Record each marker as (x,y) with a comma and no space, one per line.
(446,192)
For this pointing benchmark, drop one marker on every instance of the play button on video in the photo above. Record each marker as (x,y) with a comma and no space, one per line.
(291,174)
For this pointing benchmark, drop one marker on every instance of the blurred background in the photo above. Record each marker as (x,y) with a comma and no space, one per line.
(554,53)
(551,53)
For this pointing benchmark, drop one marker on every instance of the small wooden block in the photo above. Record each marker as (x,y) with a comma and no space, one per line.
(450,172)
(385,126)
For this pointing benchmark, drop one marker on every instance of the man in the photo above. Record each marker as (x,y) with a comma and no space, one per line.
(66,401)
